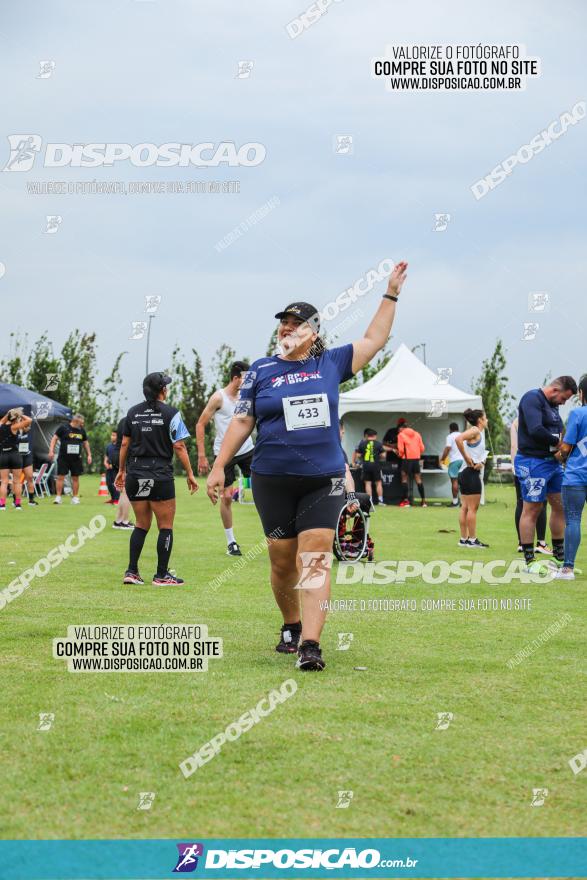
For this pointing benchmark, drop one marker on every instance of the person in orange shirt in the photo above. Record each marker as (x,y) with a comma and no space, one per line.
(410,447)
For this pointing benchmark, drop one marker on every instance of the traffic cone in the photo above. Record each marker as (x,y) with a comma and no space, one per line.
(103,490)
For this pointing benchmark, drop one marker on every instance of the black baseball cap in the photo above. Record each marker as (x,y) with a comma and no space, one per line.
(154,383)
(304,311)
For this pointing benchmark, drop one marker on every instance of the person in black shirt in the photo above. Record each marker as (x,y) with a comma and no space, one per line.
(371,450)
(111,457)
(151,433)
(390,441)
(72,438)
(10,458)
(24,448)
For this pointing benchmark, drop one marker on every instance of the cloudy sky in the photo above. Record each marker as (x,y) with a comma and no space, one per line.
(149,71)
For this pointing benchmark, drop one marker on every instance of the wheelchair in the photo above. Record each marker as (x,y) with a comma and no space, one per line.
(352,541)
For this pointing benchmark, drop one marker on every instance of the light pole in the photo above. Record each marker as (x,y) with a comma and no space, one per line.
(421,345)
(148,344)
(151,306)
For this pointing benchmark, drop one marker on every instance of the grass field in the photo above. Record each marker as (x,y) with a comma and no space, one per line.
(373,732)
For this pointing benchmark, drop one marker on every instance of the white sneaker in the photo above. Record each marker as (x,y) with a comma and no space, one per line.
(57,499)
(565,574)
(74,499)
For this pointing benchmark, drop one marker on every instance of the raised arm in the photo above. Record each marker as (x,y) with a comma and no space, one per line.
(377,333)
(23,424)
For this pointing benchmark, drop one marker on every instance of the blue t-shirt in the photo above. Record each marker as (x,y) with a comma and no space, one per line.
(295,405)
(576,435)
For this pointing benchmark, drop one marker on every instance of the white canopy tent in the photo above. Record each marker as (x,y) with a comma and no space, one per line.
(407,387)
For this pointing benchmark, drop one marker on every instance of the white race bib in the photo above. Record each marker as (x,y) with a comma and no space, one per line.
(311,411)
(73,448)
(23,448)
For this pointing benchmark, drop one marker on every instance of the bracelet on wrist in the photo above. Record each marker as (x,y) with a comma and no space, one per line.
(389,296)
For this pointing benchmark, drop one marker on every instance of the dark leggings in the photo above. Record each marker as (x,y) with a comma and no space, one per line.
(540,522)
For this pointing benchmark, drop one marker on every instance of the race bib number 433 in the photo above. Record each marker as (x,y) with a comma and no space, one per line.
(306,412)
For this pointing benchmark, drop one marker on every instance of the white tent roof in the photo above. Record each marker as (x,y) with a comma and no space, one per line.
(405,384)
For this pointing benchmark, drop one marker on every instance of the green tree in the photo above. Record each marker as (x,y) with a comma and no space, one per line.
(76,372)
(220,366)
(189,393)
(107,414)
(43,363)
(492,387)
(109,396)
(14,370)
(272,344)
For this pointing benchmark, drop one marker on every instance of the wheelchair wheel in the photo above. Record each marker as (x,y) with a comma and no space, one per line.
(351,535)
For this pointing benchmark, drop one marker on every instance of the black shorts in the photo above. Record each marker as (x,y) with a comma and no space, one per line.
(244,463)
(371,471)
(72,465)
(11,460)
(289,505)
(142,488)
(470,481)
(27,460)
(410,466)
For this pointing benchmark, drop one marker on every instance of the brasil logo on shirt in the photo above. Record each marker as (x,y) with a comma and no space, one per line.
(295,378)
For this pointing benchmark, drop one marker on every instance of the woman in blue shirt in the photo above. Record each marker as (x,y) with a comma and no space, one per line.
(574,490)
(298,467)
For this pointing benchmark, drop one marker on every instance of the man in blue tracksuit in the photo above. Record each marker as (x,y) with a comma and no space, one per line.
(540,474)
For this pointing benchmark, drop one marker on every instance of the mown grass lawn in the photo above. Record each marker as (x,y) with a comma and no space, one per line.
(372,732)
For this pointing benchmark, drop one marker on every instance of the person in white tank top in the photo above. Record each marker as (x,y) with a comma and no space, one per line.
(471,445)
(220,408)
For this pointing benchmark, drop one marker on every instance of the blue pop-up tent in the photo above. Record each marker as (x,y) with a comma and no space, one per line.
(45,413)
(35,405)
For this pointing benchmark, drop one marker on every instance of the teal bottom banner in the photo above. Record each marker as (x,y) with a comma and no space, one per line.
(251,857)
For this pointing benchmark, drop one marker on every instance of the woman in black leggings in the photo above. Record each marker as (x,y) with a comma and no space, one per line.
(541,545)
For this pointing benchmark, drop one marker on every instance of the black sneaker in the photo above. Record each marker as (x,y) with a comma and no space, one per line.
(33,503)
(477,543)
(122,525)
(290,638)
(167,580)
(233,549)
(463,542)
(132,577)
(310,657)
